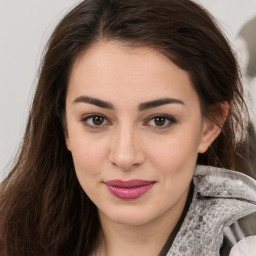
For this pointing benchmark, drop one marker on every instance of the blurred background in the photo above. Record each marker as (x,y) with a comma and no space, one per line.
(25,27)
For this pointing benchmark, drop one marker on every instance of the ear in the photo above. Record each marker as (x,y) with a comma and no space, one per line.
(211,129)
(210,132)
(65,129)
(67,139)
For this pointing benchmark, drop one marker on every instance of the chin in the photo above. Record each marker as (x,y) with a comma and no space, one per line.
(130,218)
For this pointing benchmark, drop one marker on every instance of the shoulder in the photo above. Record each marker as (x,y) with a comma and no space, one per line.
(215,182)
(221,197)
(228,194)
(234,196)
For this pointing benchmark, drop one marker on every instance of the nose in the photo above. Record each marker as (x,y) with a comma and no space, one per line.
(126,150)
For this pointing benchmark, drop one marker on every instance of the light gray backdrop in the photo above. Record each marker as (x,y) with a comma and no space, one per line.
(24,29)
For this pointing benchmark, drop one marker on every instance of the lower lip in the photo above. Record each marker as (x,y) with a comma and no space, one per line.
(130,193)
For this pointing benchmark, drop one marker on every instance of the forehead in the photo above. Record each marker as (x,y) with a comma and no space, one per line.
(109,69)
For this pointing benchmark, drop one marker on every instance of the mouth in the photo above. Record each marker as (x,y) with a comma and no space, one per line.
(129,190)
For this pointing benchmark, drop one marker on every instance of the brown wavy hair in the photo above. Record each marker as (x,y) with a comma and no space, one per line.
(43,209)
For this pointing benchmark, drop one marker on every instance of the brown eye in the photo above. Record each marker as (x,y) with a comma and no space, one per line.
(160,121)
(95,121)
(98,120)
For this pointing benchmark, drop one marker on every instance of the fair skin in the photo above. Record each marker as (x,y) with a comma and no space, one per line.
(145,124)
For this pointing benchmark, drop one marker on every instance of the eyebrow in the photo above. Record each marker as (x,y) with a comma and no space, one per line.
(142,106)
(94,101)
(158,103)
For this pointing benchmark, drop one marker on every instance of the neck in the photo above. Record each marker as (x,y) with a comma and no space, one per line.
(146,239)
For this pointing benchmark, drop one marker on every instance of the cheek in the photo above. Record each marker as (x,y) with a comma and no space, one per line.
(174,152)
(89,158)
(88,152)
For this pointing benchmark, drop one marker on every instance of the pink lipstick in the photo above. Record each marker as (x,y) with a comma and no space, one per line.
(129,190)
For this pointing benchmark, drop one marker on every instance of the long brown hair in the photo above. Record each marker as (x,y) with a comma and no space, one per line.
(43,209)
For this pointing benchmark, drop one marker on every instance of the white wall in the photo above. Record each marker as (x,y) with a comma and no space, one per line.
(24,29)
(231,13)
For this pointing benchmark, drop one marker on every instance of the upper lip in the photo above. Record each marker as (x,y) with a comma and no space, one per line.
(128,183)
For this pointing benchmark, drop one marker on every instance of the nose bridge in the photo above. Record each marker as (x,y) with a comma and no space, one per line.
(125,148)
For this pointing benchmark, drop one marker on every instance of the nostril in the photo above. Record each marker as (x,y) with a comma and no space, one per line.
(125,150)
(126,159)
(123,161)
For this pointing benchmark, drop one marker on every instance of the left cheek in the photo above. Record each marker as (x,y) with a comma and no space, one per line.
(177,152)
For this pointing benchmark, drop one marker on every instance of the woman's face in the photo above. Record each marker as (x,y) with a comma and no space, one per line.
(134,128)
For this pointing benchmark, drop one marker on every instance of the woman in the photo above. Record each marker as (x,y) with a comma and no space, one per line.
(135,101)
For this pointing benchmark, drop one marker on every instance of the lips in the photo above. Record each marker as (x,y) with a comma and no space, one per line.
(129,190)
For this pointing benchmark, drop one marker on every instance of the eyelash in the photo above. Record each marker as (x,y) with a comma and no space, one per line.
(166,118)
(171,120)
(85,120)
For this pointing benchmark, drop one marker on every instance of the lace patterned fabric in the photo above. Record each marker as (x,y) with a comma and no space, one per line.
(220,198)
